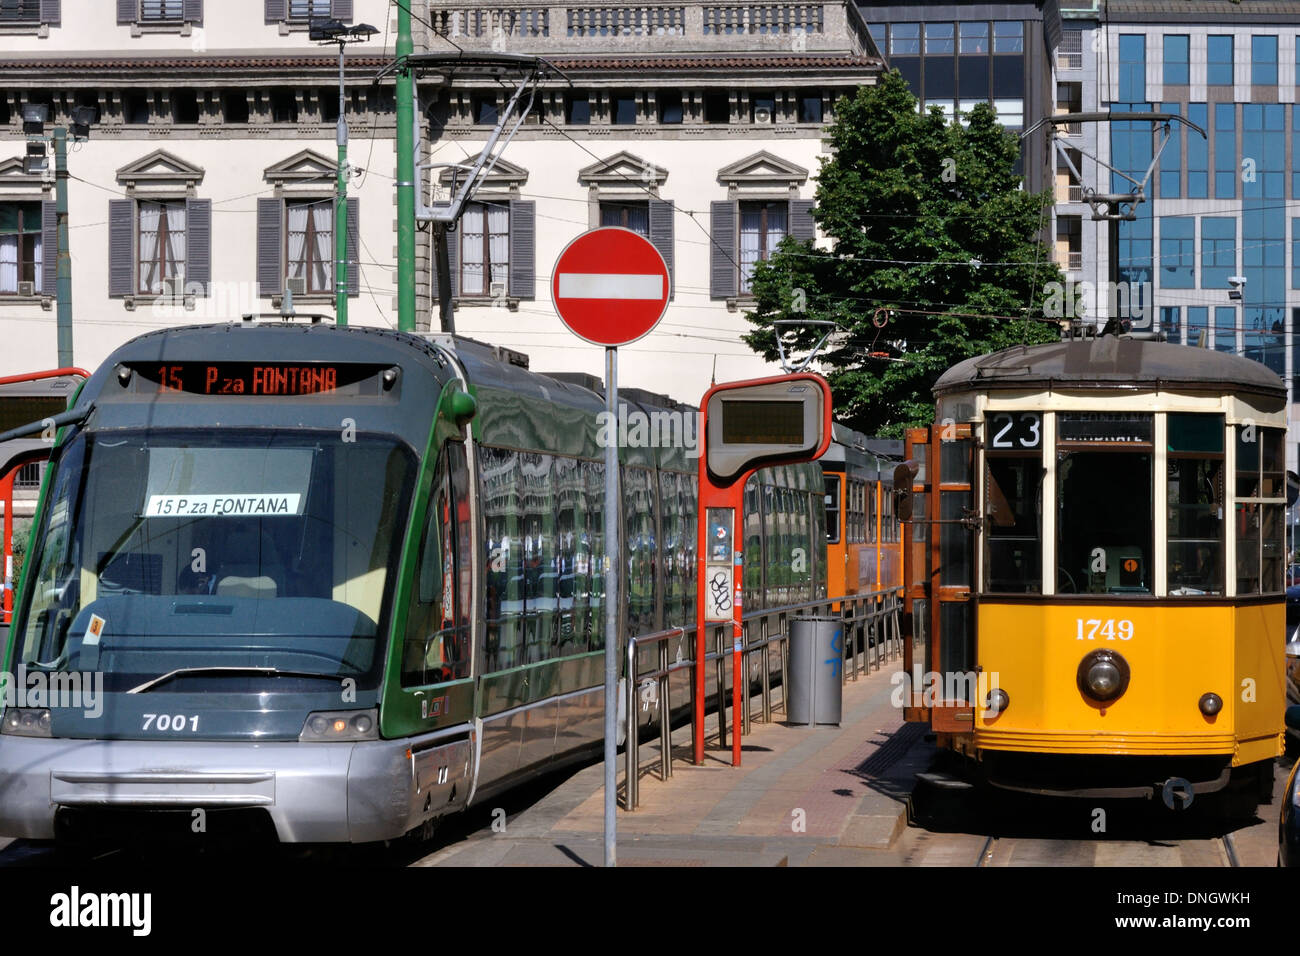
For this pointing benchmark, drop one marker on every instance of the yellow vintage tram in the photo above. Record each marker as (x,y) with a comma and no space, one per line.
(1095,568)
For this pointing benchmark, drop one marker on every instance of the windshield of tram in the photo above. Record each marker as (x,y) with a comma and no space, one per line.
(226,549)
(1105,508)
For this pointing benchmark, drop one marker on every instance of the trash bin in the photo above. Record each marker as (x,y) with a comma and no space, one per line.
(816,691)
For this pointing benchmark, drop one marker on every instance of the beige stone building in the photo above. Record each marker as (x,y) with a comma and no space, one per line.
(209,173)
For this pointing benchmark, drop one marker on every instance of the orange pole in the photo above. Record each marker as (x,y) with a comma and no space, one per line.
(36,376)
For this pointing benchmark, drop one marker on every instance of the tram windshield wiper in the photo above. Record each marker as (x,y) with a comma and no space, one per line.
(229,671)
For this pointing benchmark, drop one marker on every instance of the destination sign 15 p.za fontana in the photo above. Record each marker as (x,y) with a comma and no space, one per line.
(259,380)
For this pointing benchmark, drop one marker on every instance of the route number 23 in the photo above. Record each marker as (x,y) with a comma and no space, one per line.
(1023,430)
(1110,629)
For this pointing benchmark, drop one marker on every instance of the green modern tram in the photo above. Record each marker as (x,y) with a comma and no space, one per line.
(340,581)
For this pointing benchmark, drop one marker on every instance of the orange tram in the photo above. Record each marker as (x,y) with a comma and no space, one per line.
(863,540)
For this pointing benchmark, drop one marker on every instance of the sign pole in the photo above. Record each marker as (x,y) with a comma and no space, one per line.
(612,573)
(611,287)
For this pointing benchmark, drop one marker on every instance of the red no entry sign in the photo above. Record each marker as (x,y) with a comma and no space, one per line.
(610,286)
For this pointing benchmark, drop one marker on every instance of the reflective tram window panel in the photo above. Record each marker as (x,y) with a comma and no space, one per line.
(1195,476)
(1105,526)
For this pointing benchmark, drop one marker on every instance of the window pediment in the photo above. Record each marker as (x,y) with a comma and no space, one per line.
(13,178)
(504,175)
(624,170)
(763,170)
(160,170)
(306,167)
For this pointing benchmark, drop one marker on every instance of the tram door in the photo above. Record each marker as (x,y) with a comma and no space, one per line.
(938,573)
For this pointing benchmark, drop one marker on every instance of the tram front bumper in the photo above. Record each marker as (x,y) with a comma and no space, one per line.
(313,793)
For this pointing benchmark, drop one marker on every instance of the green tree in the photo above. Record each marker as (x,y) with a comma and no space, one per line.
(934,256)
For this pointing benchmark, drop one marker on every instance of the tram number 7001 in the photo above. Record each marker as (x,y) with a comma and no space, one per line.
(1110,629)
(172,722)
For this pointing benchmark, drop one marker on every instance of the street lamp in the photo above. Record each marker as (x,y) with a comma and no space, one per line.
(336,31)
(34,118)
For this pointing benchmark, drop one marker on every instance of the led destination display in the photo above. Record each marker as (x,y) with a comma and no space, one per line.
(262,380)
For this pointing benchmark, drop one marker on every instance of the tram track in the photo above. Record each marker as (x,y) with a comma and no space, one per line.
(987,849)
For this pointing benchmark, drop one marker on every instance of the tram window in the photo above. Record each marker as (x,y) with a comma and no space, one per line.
(436,647)
(639,520)
(755,525)
(806,569)
(774,546)
(674,527)
(538,543)
(571,584)
(501,489)
(593,555)
(1013,505)
(1258,524)
(690,506)
(1105,528)
(833,509)
(1195,478)
(861,513)
(889,523)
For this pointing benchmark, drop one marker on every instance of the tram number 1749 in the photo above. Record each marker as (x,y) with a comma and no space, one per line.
(1110,629)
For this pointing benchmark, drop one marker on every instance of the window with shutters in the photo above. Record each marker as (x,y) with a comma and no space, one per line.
(295,15)
(762,227)
(29,16)
(492,253)
(159,236)
(748,227)
(21,247)
(309,244)
(159,16)
(485,248)
(624,191)
(160,244)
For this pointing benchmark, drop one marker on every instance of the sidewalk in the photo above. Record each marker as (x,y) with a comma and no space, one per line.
(804,796)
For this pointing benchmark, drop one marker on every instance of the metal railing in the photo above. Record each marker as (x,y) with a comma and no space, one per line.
(872,636)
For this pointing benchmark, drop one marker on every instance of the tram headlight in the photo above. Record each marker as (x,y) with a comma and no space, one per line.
(340,725)
(27,722)
(1103,676)
(997,701)
(1210,704)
